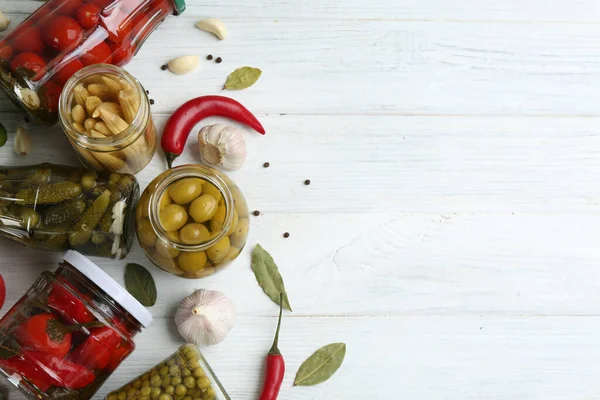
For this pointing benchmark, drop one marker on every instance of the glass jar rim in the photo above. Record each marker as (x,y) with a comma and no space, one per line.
(190,171)
(112,143)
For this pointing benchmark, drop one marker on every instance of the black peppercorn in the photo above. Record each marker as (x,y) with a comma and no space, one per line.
(209,57)
(266,165)
(27,120)
(151,101)
(164,67)
(286,235)
(256,213)
(147,91)
(219,60)
(307,182)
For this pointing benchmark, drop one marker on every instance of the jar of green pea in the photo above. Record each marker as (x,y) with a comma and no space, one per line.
(185,375)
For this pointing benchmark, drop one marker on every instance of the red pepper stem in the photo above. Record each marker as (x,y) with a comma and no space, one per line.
(274,349)
(170,158)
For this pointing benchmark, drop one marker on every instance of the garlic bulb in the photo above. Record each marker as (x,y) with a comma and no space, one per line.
(223,146)
(205,317)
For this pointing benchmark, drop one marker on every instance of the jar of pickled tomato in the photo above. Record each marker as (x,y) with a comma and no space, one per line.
(61,37)
(192,221)
(69,332)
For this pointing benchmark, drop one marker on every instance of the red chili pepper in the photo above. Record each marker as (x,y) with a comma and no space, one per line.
(45,332)
(275,365)
(28,370)
(96,351)
(61,373)
(68,305)
(180,124)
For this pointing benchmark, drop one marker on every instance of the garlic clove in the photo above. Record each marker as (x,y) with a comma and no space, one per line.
(30,98)
(222,146)
(4,22)
(183,65)
(205,317)
(214,26)
(22,142)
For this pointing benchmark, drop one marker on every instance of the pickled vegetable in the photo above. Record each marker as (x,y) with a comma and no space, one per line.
(84,228)
(70,210)
(49,193)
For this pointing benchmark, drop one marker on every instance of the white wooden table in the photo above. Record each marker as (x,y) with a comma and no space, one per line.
(450,234)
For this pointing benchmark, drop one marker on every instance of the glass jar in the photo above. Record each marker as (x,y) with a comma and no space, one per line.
(54,207)
(69,332)
(188,373)
(192,220)
(61,37)
(105,113)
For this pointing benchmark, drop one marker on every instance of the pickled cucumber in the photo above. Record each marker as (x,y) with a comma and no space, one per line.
(83,229)
(49,193)
(67,211)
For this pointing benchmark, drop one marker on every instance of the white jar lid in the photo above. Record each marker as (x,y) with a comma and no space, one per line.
(108,284)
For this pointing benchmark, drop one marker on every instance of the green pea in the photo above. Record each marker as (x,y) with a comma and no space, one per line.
(189,382)
(176,380)
(171,362)
(143,398)
(112,396)
(166,381)
(197,398)
(198,372)
(137,384)
(165,396)
(193,364)
(170,389)
(180,390)
(164,370)
(131,392)
(187,398)
(155,380)
(186,372)
(122,395)
(146,391)
(174,370)
(155,393)
(179,360)
(203,382)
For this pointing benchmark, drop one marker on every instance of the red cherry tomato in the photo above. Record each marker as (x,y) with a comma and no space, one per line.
(29,61)
(2,292)
(63,33)
(27,39)
(50,96)
(99,54)
(67,7)
(6,52)
(88,15)
(65,70)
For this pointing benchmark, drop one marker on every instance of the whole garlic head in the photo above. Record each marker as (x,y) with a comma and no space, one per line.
(205,317)
(222,146)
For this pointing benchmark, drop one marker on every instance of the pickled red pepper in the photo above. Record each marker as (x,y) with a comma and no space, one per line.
(180,124)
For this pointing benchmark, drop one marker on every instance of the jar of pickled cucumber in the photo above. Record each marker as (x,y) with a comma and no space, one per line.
(192,221)
(54,207)
(184,375)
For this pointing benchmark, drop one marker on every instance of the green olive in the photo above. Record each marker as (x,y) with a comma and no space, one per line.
(211,189)
(173,217)
(234,252)
(189,382)
(165,396)
(155,393)
(88,181)
(219,251)
(203,383)
(194,234)
(184,191)
(203,208)
(192,261)
(180,390)
(170,389)
(142,209)
(234,222)
(217,221)
(240,234)
(146,234)
(29,218)
(198,372)
(165,200)
(165,249)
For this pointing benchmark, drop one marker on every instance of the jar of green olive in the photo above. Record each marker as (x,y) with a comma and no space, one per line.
(192,221)
(184,375)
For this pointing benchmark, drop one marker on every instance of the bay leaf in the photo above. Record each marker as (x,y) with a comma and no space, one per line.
(8,347)
(268,276)
(140,284)
(321,365)
(242,78)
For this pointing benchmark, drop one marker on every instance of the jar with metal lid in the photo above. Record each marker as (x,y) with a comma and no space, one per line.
(184,374)
(192,221)
(69,332)
(62,36)
(105,113)
(55,207)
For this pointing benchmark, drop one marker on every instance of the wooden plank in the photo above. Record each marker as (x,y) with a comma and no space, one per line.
(394,164)
(392,264)
(383,67)
(424,358)
(466,10)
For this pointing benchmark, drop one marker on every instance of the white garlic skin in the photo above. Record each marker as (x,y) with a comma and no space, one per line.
(205,317)
(222,146)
